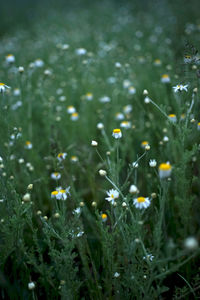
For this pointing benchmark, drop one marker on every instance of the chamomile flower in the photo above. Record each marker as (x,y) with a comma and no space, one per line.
(165,170)
(10,58)
(144,144)
(89,96)
(133,189)
(157,62)
(172,118)
(104,99)
(165,78)
(117,134)
(147,100)
(104,217)
(74,116)
(126,83)
(180,88)
(100,126)
(135,164)
(198,126)
(187,59)
(60,193)
(148,257)
(77,211)
(28,145)
(61,156)
(55,175)
(112,196)
(131,90)
(74,158)
(125,124)
(152,163)
(71,109)
(38,63)
(3,87)
(127,109)
(81,51)
(119,116)
(141,202)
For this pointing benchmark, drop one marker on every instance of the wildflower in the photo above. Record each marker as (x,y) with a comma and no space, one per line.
(28,145)
(157,62)
(3,87)
(61,156)
(94,143)
(135,164)
(198,126)
(187,59)
(55,175)
(74,116)
(74,158)
(180,88)
(118,65)
(125,124)
(26,197)
(100,126)
(116,275)
(94,204)
(16,92)
(79,234)
(104,99)
(81,51)
(89,96)
(10,58)
(31,285)
(104,217)
(165,170)
(21,69)
(133,189)
(148,257)
(144,144)
(131,90)
(112,195)
(60,193)
(147,100)
(117,134)
(119,116)
(38,63)
(111,80)
(141,202)
(102,173)
(127,109)
(77,211)
(165,139)
(191,243)
(165,78)
(152,163)
(172,118)
(126,83)
(30,186)
(71,109)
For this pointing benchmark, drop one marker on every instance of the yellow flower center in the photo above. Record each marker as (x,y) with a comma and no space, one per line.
(116,130)
(89,94)
(104,216)
(165,76)
(75,114)
(188,56)
(141,199)
(28,143)
(62,191)
(2,83)
(144,143)
(198,124)
(165,167)
(60,155)
(172,116)
(54,193)
(56,174)
(70,107)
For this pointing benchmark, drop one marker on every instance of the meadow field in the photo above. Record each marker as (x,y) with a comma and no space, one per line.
(100,150)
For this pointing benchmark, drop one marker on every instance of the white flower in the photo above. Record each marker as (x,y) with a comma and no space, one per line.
(77,211)
(126,83)
(116,275)
(131,90)
(117,134)
(16,92)
(28,145)
(125,124)
(94,143)
(27,197)
(55,175)
(10,58)
(180,87)
(79,234)
(133,189)
(60,193)
(165,139)
(198,126)
(191,243)
(61,156)
(38,63)
(81,51)
(152,163)
(148,257)
(31,285)
(74,116)
(147,100)
(112,195)
(3,87)
(141,202)
(71,109)
(100,126)
(104,99)
(119,116)
(165,78)
(102,173)
(135,164)
(111,80)
(118,65)
(165,170)
(89,96)
(172,118)
(127,109)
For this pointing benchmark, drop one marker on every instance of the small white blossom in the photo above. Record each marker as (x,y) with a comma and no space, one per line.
(152,163)
(112,195)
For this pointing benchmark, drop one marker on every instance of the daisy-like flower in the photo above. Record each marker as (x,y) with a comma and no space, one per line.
(112,195)
(187,59)
(148,257)
(60,193)
(157,62)
(165,78)
(144,144)
(28,145)
(141,202)
(125,124)
(119,116)
(71,109)
(77,211)
(165,170)
(135,164)
(147,100)
(104,99)
(74,116)
(55,175)
(127,109)
(89,96)
(152,163)
(117,134)
(3,87)
(16,92)
(172,118)
(100,126)
(180,88)
(198,126)
(104,217)
(38,63)
(74,158)
(133,189)
(61,156)
(81,51)
(131,90)
(10,58)
(126,83)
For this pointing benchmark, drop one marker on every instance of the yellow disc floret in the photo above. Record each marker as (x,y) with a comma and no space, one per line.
(165,167)
(141,199)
